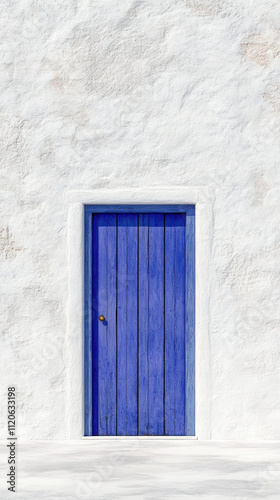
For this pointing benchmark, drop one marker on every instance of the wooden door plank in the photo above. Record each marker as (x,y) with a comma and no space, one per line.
(190,323)
(156,324)
(143,326)
(175,324)
(105,274)
(151,324)
(88,400)
(127,324)
(95,326)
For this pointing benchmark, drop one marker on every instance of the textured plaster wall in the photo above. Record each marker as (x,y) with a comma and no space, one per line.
(125,94)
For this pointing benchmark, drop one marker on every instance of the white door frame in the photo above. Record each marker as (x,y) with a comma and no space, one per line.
(201,198)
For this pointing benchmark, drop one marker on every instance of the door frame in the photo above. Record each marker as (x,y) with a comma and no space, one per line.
(189,211)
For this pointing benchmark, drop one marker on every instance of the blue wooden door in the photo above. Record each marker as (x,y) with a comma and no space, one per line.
(139,344)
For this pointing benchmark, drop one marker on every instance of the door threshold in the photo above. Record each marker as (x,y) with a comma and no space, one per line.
(98,438)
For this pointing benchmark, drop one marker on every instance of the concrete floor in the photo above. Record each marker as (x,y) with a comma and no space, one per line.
(147,469)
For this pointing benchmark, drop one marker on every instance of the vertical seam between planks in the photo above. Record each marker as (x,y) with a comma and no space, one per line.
(94,296)
(98,333)
(148,326)
(164,257)
(175,318)
(137,272)
(117,298)
(175,321)
(107,311)
(91,327)
(185,324)
(126,306)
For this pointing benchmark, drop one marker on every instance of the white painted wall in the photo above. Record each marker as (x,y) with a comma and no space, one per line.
(124,99)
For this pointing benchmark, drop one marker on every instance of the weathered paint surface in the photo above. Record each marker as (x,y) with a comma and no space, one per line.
(125,94)
(137,375)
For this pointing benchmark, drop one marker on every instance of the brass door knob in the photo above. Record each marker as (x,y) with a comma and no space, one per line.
(101,318)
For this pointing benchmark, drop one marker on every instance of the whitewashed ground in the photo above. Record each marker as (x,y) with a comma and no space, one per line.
(148,469)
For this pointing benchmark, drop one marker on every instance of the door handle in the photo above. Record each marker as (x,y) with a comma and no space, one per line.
(101,318)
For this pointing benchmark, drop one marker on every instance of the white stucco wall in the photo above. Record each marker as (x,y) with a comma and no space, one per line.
(179,96)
